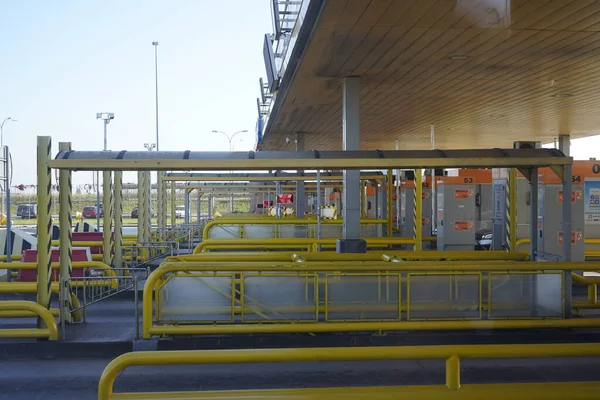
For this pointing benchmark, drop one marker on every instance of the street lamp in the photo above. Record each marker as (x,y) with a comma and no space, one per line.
(230,138)
(155,44)
(150,146)
(106,117)
(2,127)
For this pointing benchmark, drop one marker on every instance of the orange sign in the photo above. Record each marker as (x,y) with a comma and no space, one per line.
(575,195)
(461,194)
(425,195)
(424,221)
(463,225)
(575,236)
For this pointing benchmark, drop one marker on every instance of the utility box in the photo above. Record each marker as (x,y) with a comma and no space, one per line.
(407,208)
(457,214)
(499,209)
(550,233)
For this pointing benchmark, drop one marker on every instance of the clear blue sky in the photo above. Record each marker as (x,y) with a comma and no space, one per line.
(62,61)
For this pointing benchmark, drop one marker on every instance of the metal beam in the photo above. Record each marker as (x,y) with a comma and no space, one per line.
(66,244)
(345,160)
(263,177)
(44,224)
(118,189)
(107,224)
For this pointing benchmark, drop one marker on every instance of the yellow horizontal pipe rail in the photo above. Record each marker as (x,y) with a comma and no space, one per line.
(374,326)
(25,314)
(30,287)
(347,266)
(291,242)
(516,391)
(55,265)
(281,221)
(452,355)
(51,330)
(388,255)
(94,243)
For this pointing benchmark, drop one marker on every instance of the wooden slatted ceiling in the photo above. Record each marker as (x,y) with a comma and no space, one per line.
(503,92)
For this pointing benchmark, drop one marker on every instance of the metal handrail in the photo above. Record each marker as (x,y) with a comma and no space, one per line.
(451,354)
(208,269)
(50,331)
(295,243)
(280,221)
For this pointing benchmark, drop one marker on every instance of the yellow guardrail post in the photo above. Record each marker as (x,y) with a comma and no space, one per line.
(118,246)
(390,192)
(49,328)
(452,355)
(107,222)
(44,224)
(512,210)
(418,211)
(66,241)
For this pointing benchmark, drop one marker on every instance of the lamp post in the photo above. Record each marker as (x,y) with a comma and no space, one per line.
(1,129)
(155,44)
(230,138)
(106,117)
(6,170)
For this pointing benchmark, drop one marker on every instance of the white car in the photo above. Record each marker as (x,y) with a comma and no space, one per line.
(179,211)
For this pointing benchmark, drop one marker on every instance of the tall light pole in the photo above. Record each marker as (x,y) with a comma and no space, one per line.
(7,188)
(155,44)
(230,138)
(1,129)
(106,117)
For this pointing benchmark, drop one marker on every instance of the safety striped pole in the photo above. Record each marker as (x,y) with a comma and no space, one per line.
(107,225)
(140,206)
(163,195)
(159,204)
(511,211)
(148,207)
(65,190)
(173,204)
(118,241)
(44,224)
(418,211)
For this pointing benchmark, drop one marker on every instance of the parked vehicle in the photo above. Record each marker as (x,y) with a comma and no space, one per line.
(179,211)
(483,239)
(92,212)
(27,211)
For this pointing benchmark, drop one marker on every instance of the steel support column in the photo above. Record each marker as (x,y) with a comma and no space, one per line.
(118,239)
(173,204)
(66,240)
(148,222)
(44,224)
(186,200)
(351,141)
(140,206)
(161,204)
(564,144)
(300,200)
(512,210)
(567,229)
(210,205)
(107,223)
(533,222)
(390,204)
(418,211)
(198,204)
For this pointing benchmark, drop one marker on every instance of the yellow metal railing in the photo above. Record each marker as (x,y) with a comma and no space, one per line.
(587,253)
(302,244)
(14,309)
(276,222)
(375,255)
(451,389)
(229,281)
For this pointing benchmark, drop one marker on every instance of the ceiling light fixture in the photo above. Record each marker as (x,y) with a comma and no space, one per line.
(459,57)
(562,95)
